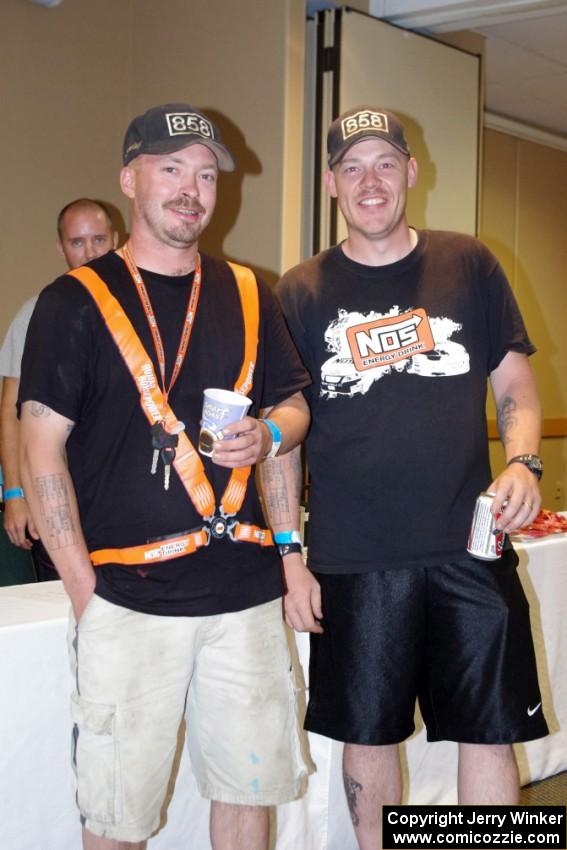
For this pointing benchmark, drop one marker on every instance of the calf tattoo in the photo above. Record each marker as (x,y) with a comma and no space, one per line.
(56,511)
(352,788)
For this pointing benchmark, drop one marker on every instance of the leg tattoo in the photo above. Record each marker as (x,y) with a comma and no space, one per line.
(352,787)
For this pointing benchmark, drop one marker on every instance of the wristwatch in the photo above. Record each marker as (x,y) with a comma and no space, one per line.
(533,462)
(276,437)
(288,548)
(287,542)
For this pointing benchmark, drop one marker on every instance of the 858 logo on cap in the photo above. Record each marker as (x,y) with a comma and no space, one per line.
(364,121)
(179,123)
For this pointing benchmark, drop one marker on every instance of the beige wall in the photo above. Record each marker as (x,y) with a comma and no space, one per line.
(524,221)
(73,76)
(64,96)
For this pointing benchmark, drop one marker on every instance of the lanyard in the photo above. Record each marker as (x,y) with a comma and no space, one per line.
(187,461)
(152,321)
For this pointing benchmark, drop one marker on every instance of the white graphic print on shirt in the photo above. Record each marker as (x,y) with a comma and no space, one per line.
(368,347)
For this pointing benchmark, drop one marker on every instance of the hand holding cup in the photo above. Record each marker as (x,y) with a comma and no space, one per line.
(220,408)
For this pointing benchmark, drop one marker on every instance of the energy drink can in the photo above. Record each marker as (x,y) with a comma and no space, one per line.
(483,542)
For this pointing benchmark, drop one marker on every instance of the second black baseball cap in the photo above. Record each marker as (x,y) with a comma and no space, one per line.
(364,122)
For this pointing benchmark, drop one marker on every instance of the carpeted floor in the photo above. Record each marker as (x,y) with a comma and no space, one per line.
(548,792)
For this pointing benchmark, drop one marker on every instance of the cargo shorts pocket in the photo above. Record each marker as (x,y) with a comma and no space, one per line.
(95,759)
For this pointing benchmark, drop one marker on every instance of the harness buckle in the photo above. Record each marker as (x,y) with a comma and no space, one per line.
(220,526)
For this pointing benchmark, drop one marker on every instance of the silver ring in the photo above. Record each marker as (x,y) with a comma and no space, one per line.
(527,504)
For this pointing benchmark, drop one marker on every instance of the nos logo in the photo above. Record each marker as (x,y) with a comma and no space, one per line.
(382,342)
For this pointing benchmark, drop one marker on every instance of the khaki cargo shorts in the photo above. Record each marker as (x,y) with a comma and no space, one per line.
(138,675)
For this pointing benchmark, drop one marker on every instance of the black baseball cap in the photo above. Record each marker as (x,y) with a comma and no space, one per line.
(171,127)
(364,122)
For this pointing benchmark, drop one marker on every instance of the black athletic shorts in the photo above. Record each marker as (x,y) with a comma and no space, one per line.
(456,637)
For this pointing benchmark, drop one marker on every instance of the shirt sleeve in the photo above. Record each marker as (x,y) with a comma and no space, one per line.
(506,328)
(284,373)
(55,362)
(13,346)
(291,295)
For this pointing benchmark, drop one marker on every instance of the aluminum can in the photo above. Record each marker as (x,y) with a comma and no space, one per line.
(483,542)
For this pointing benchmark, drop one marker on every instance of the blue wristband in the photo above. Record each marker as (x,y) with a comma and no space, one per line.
(276,437)
(13,493)
(287,537)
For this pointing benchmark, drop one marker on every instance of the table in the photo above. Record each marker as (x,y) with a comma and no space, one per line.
(36,805)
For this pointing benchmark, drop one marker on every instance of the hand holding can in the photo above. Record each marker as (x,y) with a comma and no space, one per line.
(485,539)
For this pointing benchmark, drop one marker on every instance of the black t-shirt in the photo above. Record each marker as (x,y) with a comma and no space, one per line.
(72,365)
(399,357)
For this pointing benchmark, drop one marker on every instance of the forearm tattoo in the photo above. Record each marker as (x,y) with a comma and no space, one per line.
(274,491)
(56,511)
(275,487)
(507,419)
(38,409)
(352,788)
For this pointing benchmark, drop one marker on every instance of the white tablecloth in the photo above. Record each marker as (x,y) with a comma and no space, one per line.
(36,805)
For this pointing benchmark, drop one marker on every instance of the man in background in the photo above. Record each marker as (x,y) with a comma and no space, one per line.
(84,231)
(400,330)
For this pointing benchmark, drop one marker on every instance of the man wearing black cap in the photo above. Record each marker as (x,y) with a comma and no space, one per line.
(174,581)
(400,330)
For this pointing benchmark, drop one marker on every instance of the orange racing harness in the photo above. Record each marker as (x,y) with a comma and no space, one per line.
(187,462)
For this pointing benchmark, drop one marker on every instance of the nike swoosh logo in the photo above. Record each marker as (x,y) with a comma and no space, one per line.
(532,711)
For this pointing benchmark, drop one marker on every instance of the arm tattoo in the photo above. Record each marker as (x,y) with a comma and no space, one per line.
(56,511)
(38,409)
(352,787)
(506,417)
(275,487)
(274,491)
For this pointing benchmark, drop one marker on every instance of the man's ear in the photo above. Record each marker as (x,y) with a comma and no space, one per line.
(330,183)
(128,181)
(59,247)
(115,239)
(412,172)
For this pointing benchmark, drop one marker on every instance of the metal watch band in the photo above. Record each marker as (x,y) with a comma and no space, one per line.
(533,463)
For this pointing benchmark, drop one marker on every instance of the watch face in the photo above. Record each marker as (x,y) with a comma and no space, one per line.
(533,463)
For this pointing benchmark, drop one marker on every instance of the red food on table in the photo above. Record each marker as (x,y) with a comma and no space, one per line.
(546,522)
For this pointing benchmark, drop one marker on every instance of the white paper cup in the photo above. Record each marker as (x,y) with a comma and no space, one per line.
(220,408)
